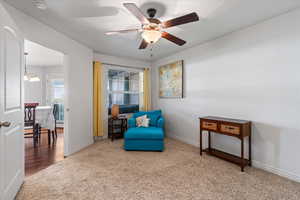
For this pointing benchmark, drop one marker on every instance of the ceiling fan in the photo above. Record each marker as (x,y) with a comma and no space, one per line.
(152,28)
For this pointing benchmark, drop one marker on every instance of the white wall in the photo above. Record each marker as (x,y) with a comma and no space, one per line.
(33,91)
(78,76)
(116,60)
(37,91)
(251,74)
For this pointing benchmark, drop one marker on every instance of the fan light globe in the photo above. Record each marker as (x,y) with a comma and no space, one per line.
(151,36)
(34,79)
(26,78)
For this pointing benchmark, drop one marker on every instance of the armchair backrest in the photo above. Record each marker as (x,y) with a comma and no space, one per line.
(153,115)
(141,113)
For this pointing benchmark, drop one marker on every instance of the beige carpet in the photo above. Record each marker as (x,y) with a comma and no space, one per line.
(106,171)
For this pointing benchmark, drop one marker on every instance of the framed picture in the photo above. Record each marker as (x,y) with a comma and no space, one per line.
(171,80)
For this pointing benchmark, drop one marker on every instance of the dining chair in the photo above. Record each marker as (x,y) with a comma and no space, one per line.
(31,128)
(56,117)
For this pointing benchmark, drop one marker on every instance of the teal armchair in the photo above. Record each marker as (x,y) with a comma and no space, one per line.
(145,138)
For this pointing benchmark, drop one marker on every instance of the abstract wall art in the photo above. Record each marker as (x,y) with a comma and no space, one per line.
(171,80)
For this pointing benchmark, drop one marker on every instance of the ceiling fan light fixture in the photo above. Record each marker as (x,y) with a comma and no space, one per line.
(153,29)
(151,36)
(34,78)
(27,76)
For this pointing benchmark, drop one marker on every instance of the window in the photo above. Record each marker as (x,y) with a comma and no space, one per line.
(57,93)
(56,96)
(124,89)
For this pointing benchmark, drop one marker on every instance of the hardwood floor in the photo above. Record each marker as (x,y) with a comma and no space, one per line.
(43,155)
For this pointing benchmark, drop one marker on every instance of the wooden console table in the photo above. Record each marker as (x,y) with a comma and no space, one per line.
(230,127)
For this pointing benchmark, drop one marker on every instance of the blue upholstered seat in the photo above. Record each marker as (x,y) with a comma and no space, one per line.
(145,139)
(145,133)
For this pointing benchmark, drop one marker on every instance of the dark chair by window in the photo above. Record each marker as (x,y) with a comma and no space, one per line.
(30,125)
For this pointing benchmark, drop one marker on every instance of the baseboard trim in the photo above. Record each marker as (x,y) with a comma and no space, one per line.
(255,163)
(276,171)
(184,140)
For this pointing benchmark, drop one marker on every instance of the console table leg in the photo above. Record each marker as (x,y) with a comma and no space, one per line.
(112,131)
(112,135)
(209,141)
(250,153)
(242,154)
(200,142)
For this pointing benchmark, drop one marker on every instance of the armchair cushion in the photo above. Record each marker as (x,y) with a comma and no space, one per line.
(142,121)
(149,133)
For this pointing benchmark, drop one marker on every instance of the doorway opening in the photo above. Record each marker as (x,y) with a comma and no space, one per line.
(44,98)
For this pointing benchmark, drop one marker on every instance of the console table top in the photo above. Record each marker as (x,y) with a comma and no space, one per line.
(225,119)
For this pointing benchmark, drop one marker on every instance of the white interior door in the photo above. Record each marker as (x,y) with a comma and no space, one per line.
(11,108)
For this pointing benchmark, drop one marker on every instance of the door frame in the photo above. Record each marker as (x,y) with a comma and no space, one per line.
(66,99)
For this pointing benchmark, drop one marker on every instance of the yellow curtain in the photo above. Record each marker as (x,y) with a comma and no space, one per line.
(98,99)
(146,85)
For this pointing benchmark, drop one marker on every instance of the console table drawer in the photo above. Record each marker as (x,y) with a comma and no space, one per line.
(225,128)
(210,125)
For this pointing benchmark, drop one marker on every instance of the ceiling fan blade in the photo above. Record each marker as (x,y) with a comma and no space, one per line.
(192,17)
(143,45)
(136,12)
(121,31)
(173,38)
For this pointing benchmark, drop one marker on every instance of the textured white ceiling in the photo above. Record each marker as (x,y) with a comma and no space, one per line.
(87,21)
(41,56)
